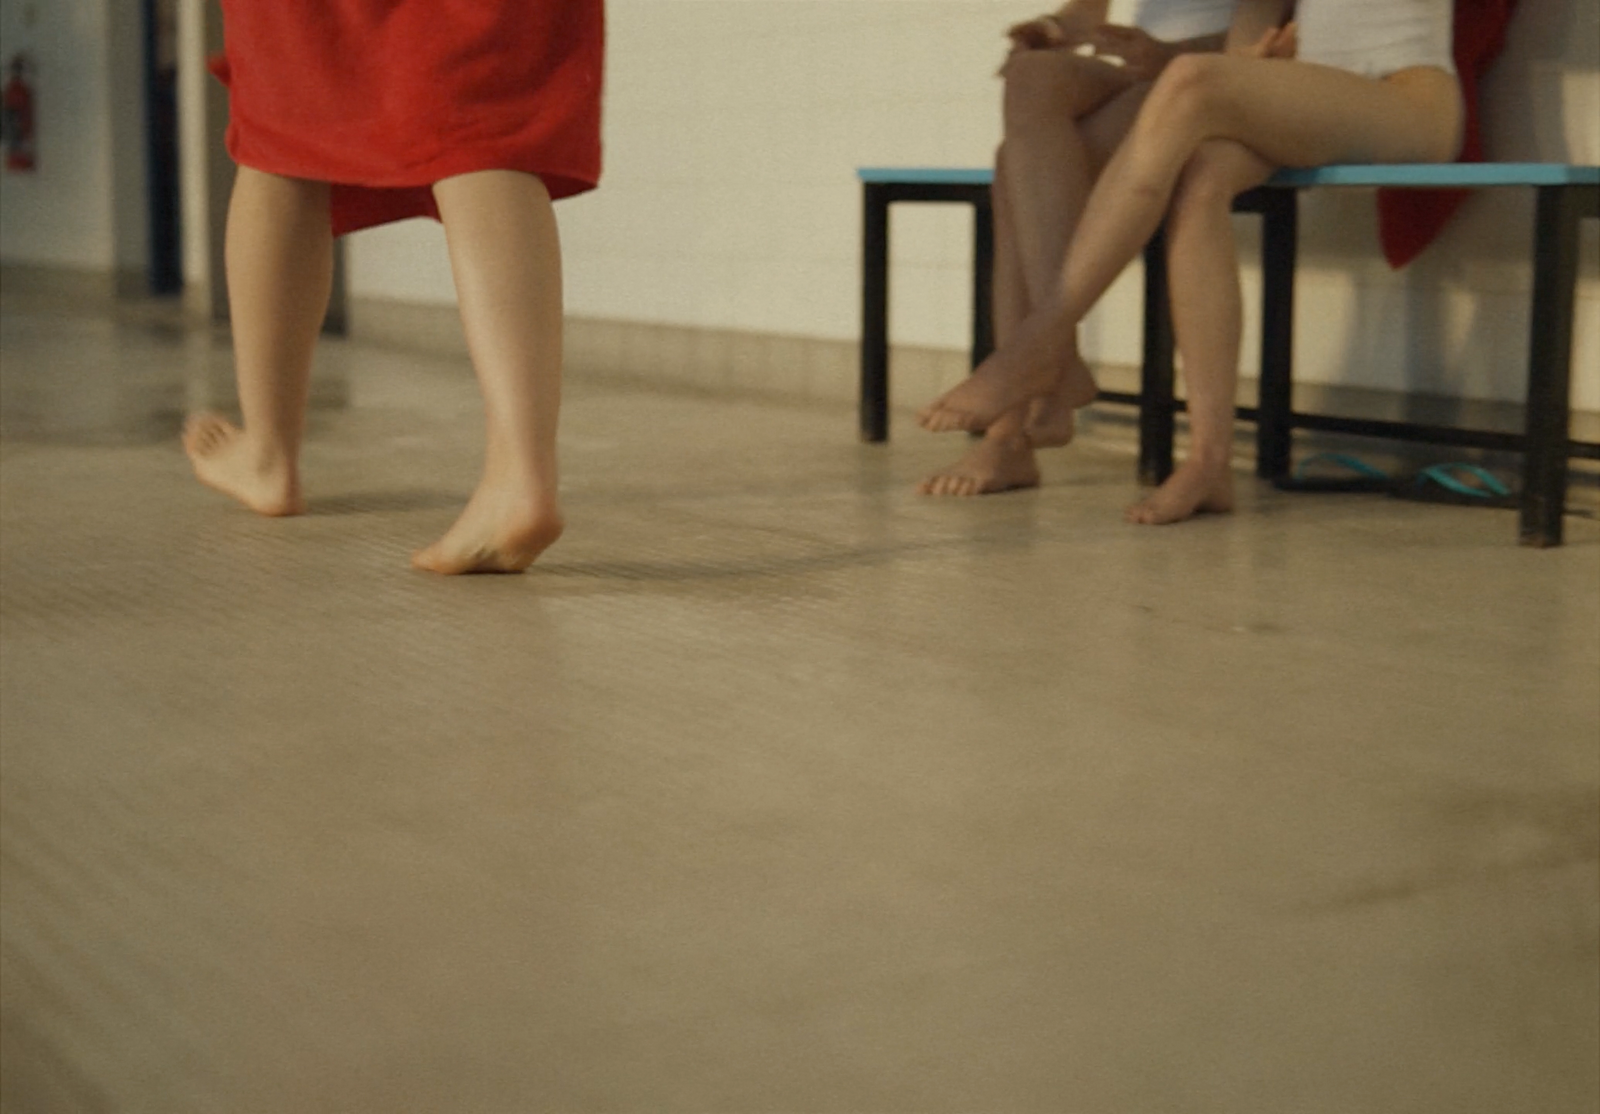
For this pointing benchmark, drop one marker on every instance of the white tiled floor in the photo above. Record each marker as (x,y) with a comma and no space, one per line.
(773,787)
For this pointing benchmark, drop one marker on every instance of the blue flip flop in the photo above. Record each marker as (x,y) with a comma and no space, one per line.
(1357,475)
(1459,484)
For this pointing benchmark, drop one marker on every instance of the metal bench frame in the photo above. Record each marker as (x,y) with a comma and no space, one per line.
(1566,195)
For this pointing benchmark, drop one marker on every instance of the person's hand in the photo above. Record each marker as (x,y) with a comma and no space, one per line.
(1143,57)
(1070,27)
(1277,42)
(1044,32)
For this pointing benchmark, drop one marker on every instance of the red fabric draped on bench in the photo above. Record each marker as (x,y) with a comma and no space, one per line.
(1410,220)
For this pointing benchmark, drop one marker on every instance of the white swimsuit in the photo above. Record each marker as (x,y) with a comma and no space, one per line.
(1375,38)
(1174,20)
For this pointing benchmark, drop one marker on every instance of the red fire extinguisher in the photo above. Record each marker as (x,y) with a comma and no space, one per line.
(18,122)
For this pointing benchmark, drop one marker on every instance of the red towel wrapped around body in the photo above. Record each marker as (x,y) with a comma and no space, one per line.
(1410,220)
(383,98)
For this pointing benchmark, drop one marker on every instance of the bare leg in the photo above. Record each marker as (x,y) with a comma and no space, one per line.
(1043,174)
(1051,418)
(1047,423)
(1048,169)
(1289,113)
(505,256)
(1207,314)
(1045,169)
(1004,459)
(280,271)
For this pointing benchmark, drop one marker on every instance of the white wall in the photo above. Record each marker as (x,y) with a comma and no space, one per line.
(733,128)
(64,214)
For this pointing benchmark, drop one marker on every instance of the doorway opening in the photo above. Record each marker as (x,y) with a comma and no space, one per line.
(161,131)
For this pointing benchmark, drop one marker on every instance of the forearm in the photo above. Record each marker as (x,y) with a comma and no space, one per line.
(1145,57)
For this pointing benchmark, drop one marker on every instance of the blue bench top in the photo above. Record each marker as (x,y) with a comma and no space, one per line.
(1454,174)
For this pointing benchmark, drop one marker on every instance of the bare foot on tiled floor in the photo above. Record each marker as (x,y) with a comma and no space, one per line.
(226,459)
(1195,487)
(505,526)
(992,465)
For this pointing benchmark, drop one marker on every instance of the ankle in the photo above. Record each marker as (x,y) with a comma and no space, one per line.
(1007,437)
(270,455)
(527,502)
(1210,457)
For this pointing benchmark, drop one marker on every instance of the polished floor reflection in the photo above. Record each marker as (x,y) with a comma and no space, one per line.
(774,787)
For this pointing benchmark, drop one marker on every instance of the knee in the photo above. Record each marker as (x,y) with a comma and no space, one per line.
(1032,86)
(1044,89)
(1184,89)
(1176,113)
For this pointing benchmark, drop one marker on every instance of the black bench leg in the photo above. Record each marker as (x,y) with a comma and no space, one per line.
(874,313)
(982,281)
(1555,273)
(1156,398)
(1275,418)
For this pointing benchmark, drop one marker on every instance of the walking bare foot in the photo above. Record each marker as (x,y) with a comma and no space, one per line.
(226,460)
(992,465)
(501,530)
(1194,488)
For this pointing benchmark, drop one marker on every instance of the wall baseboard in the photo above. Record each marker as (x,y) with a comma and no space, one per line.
(721,361)
(124,296)
(826,371)
(677,356)
(795,368)
(83,287)
(66,283)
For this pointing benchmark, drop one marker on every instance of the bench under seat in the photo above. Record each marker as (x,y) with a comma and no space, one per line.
(1566,195)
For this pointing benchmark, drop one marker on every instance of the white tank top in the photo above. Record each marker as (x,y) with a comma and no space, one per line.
(1174,20)
(1376,37)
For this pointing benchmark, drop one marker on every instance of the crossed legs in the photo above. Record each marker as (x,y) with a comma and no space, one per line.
(1279,113)
(1064,113)
(505,258)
